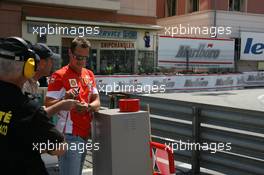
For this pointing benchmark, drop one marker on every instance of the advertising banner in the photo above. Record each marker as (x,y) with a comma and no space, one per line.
(160,84)
(201,52)
(253,78)
(252,46)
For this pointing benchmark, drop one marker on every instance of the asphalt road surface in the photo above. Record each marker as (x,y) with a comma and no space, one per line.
(252,99)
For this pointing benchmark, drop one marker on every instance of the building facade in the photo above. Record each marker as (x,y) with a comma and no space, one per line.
(122,33)
(242,16)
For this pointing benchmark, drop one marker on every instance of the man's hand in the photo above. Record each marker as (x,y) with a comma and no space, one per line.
(72,94)
(82,107)
(68,104)
(61,105)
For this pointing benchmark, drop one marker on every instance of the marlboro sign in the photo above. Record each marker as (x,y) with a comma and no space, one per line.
(201,52)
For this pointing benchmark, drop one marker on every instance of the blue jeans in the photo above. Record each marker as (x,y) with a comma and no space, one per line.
(71,163)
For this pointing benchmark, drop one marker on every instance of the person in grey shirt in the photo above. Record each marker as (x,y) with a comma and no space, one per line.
(44,68)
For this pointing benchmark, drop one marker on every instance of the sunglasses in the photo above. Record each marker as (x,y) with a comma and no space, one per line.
(80,58)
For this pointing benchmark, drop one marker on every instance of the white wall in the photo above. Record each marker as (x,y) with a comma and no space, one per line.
(237,20)
(241,22)
(197,19)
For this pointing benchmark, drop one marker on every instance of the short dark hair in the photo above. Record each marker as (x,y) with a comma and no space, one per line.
(81,42)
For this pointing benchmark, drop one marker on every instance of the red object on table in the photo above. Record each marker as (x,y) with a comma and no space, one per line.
(129,105)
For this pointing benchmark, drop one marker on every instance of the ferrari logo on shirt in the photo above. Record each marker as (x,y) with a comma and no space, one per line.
(73,83)
(86,80)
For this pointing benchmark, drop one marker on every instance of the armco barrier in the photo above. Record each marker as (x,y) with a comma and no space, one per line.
(179,121)
(175,121)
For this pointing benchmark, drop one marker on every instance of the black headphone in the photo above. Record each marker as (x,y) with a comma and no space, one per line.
(18,49)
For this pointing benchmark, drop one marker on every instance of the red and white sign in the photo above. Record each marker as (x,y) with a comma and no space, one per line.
(180,82)
(201,52)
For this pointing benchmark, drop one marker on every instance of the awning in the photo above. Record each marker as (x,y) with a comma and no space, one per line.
(108,24)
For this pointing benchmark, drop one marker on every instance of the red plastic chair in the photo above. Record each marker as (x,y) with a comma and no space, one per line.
(163,158)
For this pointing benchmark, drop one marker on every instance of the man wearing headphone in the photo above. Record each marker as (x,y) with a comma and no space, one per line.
(44,67)
(24,125)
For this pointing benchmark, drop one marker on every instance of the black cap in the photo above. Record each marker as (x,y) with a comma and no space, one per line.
(16,48)
(43,51)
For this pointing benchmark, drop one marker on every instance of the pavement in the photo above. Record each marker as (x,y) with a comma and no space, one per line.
(251,99)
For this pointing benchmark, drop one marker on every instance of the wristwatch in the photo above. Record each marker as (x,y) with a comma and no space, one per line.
(90,107)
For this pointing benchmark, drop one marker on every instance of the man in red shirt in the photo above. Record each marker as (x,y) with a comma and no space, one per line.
(74,81)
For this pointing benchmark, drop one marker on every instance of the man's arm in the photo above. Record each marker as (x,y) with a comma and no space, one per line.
(95,98)
(51,101)
(59,151)
(70,94)
(44,132)
(95,104)
(54,106)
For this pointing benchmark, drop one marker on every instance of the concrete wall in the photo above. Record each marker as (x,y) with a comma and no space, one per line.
(221,5)
(240,21)
(205,5)
(247,66)
(95,4)
(181,8)
(250,6)
(138,7)
(194,19)
(255,6)
(160,8)
(10,20)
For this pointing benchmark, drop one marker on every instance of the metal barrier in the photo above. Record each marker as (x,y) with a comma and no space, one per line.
(111,100)
(178,121)
(174,121)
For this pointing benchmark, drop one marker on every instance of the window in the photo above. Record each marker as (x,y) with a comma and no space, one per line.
(171,7)
(236,5)
(145,61)
(193,6)
(117,61)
